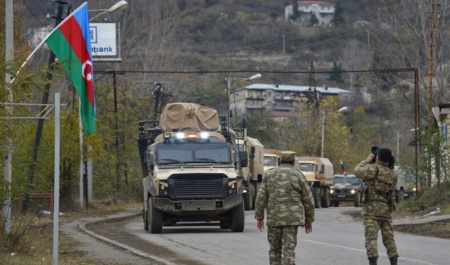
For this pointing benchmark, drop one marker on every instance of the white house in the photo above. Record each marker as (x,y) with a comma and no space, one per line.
(323,11)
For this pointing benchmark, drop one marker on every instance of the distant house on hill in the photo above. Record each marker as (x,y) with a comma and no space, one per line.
(279,101)
(311,13)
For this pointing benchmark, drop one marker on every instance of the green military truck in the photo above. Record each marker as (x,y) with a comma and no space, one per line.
(191,169)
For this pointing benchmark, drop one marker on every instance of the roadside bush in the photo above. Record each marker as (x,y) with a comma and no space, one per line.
(26,232)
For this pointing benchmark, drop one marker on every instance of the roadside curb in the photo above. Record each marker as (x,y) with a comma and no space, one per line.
(420,220)
(119,217)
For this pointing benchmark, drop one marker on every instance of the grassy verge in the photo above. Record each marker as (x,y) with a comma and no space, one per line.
(427,201)
(30,240)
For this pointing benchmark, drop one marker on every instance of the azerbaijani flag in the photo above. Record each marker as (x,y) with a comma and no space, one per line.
(71,43)
(343,167)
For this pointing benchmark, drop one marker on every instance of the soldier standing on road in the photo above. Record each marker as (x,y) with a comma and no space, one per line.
(378,200)
(290,204)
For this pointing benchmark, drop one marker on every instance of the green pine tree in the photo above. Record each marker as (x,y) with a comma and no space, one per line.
(338,20)
(337,75)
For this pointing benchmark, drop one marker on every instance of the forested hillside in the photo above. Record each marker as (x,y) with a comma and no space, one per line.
(191,46)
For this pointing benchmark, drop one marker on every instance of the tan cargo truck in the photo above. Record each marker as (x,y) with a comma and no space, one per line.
(191,169)
(319,174)
(254,170)
(271,161)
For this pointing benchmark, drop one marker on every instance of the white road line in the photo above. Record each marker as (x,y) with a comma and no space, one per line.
(363,250)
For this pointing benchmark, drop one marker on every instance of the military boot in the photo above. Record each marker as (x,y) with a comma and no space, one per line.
(393,260)
(372,261)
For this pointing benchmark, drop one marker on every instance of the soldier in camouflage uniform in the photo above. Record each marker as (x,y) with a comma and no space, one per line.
(378,200)
(287,197)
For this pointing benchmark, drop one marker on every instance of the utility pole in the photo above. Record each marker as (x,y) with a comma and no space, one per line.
(430,90)
(9,56)
(45,95)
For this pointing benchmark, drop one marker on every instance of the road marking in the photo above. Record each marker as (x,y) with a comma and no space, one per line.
(363,250)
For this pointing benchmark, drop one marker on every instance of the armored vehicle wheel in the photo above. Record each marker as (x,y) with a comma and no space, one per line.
(238,219)
(316,194)
(145,213)
(247,200)
(255,193)
(336,204)
(225,224)
(325,199)
(357,203)
(154,218)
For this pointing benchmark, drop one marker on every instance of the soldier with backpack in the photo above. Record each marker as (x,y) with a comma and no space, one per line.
(378,200)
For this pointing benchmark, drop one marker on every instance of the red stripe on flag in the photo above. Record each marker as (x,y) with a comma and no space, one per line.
(74,36)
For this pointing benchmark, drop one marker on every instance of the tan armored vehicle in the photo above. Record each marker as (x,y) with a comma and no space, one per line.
(191,169)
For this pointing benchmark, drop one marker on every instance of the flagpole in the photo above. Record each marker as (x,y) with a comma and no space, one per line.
(80,126)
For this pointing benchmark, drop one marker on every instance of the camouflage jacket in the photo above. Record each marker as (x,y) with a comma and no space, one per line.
(286,195)
(378,193)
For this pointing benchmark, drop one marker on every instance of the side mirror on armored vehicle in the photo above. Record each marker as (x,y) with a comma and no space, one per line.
(243,158)
(150,160)
(252,152)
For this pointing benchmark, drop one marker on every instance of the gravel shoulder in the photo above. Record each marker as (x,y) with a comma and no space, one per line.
(98,247)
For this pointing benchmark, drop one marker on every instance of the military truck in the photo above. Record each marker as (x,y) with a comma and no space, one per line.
(346,187)
(254,171)
(271,161)
(319,174)
(191,169)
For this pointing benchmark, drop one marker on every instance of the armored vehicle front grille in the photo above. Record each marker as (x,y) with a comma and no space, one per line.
(198,186)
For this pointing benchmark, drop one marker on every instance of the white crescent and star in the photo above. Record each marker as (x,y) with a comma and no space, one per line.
(87,76)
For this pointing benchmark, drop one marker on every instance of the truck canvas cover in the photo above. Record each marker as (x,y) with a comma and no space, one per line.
(188,117)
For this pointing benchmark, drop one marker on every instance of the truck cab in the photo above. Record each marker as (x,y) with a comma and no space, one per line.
(271,161)
(319,174)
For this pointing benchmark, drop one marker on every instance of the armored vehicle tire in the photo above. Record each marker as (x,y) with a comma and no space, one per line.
(238,219)
(336,204)
(316,194)
(326,197)
(224,224)
(255,193)
(145,213)
(247,200)
(357,202)
(154,218)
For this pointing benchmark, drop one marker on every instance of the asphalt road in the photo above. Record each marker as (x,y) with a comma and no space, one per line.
(336,239)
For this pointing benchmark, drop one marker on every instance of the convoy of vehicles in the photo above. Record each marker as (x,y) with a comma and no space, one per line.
(346,187)
(192,169)
(319,174)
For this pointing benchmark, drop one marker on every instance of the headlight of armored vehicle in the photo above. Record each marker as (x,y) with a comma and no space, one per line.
(353,191)
(232,187)
(163,188)
(180,135)
(331,191)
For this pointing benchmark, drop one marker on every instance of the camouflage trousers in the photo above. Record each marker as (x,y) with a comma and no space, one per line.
(282,241)
(371,228)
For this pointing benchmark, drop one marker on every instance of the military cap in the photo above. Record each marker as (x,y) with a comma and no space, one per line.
(287,156)
(384,154)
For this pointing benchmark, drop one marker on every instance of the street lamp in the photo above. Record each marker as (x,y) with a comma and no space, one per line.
(119,5)
(229,86)
(323,127)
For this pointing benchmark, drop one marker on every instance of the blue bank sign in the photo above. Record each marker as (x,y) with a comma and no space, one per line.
(104,41)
